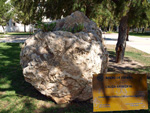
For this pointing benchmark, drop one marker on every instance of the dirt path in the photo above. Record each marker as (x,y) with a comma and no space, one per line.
(13,38)
(128,66)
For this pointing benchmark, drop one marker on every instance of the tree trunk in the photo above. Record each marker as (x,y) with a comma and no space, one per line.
(137,30)
(88,9)
(143,30)
(127,39)
(117,29)
(121,43)
(25,28)
(88,12)
(109,28)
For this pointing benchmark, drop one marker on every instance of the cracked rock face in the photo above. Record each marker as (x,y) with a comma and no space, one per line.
(61,64)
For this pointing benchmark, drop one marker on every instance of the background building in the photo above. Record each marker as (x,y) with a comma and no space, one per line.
(13,26)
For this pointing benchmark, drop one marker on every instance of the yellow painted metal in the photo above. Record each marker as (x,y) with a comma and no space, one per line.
(119,92)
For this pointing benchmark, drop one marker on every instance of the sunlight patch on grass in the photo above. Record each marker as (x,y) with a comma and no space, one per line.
(2,56)
(4,83)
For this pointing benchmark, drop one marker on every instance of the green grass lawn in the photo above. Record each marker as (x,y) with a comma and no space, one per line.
(143,35)
(18,96)
(16,33)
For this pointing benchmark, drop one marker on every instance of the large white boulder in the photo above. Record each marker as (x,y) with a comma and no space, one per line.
(61,64)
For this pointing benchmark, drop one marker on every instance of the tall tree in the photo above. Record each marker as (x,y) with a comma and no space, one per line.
(128,12)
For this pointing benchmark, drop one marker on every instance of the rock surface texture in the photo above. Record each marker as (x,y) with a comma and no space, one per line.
(61,64)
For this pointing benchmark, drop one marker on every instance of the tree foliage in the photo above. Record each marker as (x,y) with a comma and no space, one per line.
(104,15)
(137,11)
(27,11)
(5,12)
(54,9)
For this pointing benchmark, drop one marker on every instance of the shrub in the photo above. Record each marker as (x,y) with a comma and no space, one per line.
(50,27)
(76,28)
(46,27)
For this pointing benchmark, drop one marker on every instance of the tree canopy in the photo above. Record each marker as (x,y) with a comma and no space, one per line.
(5,12)
(126,13)
(54,9)
(27,11)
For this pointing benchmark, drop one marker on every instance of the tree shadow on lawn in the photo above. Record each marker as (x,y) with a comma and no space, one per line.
(10,69)
(11,79)
(12,83)
(11,73)
(110,39)
(128,66)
